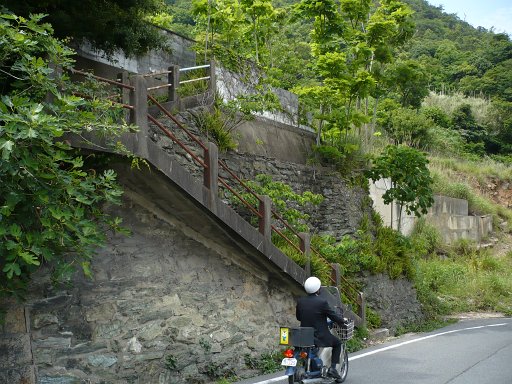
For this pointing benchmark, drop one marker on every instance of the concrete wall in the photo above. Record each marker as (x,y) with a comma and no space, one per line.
(448,214)
(179,53)
(268,138)
(230,85)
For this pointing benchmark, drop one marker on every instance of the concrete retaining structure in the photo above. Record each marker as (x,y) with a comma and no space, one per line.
(449,215)
(179,53)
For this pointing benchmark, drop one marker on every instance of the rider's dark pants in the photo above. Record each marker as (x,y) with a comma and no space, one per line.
(336,353)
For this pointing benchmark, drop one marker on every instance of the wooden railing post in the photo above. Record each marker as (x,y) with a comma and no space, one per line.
(211,174)
(139,101)
(265,220)
(305,247)
(336,274)
(213,79)
(124,78)
(174,81)
(362,308)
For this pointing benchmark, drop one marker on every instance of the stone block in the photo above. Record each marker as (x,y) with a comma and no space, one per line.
(53,343)
(21,375)
(102,361)
(101,312)
(379,334)
(41,320)
(151,331)
(59,380)
(15,351)
(14,319)
(107,330)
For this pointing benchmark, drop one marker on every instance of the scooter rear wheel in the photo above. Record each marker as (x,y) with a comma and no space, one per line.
(297,376)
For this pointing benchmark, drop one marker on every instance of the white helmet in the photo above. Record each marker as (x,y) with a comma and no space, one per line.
(312,284)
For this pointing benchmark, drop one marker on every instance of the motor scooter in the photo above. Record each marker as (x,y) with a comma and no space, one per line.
(306,363)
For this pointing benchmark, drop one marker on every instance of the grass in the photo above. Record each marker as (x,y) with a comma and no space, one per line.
(468,279)
(462,179)
(448,103)
(481,170)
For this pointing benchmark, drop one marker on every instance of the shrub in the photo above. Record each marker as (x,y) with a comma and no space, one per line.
(407,126)
(445,141)
(214,124)
(327,154)
(267,362)
(425,239)
(438,116)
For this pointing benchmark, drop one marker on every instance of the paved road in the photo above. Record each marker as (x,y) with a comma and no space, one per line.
(469,352)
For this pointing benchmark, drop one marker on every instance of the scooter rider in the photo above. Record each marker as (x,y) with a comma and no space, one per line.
(312,311)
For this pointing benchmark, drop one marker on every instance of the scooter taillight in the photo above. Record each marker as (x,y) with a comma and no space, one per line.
(303,354)
(288,353)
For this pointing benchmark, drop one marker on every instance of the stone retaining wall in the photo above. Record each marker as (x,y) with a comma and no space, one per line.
(339,214)
(166,305)
(16,363)
(394,300)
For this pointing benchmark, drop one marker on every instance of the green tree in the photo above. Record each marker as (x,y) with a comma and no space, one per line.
(411,183)
(409,80)
(50,201)
(351,42)
(261,13)
(407,126)
(107,24)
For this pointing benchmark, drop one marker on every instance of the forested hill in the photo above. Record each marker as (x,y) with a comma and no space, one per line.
(457,56)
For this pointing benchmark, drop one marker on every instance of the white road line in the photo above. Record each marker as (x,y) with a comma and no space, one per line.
(421,339)
(276,379)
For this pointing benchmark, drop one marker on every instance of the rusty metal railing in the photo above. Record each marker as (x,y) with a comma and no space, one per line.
(350,291)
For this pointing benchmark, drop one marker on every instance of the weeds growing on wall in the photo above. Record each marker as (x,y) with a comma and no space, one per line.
(267,362)
(214,124)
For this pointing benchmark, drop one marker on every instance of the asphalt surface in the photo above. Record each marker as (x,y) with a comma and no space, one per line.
(469,352)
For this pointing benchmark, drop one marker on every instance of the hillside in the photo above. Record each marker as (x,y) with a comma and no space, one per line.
(164,303)
(432,82)
(376,77)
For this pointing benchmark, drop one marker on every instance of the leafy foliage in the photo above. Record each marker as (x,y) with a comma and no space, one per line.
(50,200)
(410,178)
(284,199)
(114,24)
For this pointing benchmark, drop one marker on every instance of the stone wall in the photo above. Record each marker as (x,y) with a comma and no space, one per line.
(166,305)
(16,362)
(339,214)
(394,300)
(343,207)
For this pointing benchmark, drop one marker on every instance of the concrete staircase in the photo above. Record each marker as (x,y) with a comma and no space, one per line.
(215,175)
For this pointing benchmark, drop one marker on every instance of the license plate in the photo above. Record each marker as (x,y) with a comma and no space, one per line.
(289,362)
